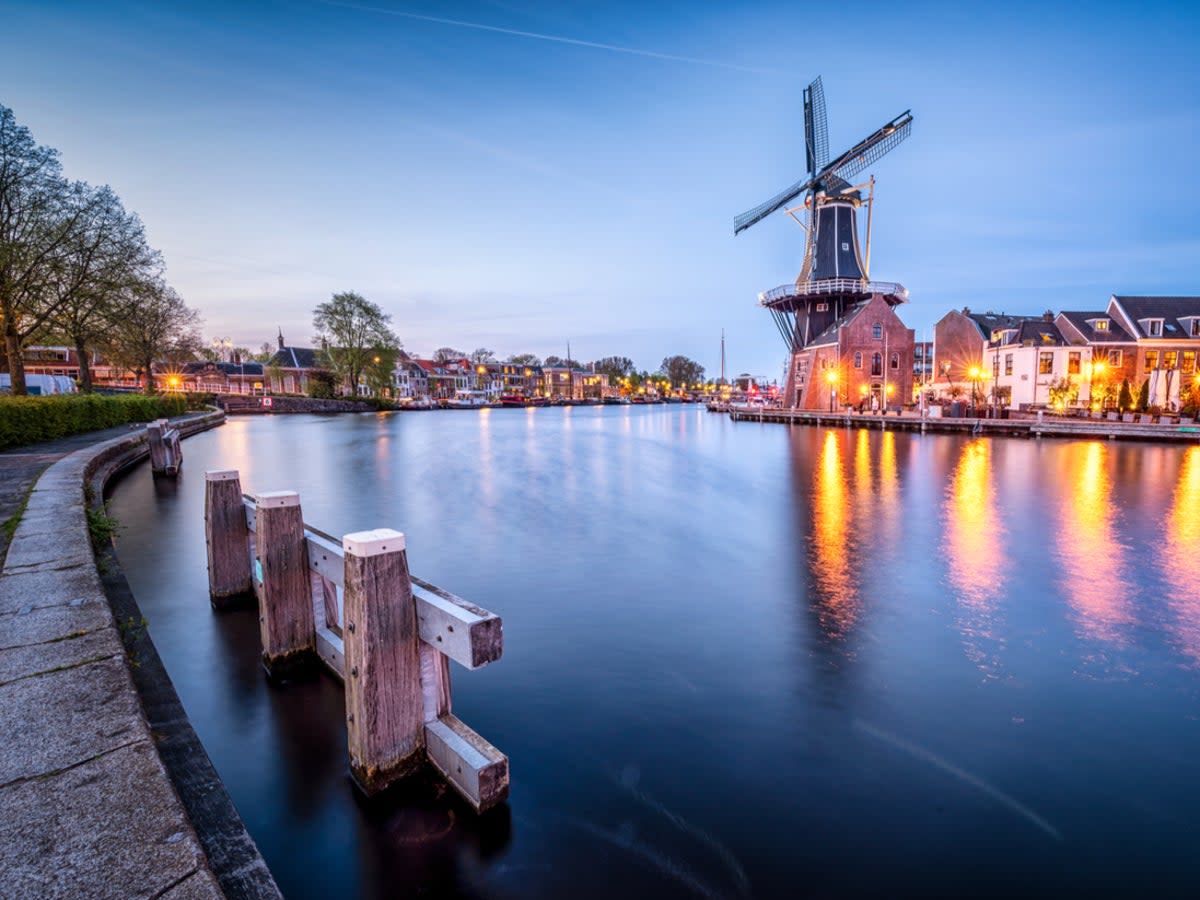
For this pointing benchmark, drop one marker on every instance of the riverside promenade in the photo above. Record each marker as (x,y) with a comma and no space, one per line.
(104,789)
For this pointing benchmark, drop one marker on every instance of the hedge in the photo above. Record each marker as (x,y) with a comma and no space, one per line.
(27,420)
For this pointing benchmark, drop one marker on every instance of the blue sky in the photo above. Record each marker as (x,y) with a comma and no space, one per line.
(494,189)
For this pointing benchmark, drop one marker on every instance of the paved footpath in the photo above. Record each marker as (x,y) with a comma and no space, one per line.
(87,808)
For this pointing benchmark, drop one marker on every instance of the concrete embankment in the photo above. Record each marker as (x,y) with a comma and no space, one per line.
(88,805)
(1049,426)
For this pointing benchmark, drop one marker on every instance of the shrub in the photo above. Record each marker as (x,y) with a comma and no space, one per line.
(1125,398)
(27,420)
(322,384)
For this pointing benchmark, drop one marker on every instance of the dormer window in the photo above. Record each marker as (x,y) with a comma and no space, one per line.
(1100,324)
(1154,327)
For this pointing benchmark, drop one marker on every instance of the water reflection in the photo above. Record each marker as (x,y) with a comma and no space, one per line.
(1091,557)
(1181,552)
(975,553)
(833,575)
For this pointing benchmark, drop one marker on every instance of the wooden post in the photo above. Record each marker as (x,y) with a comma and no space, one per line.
(226,535)
(285,592)
(385,711)
(165,455)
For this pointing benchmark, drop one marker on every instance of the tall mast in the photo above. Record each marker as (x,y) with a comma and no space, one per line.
(723,356)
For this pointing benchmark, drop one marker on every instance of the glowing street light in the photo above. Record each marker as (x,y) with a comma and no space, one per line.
(832,377)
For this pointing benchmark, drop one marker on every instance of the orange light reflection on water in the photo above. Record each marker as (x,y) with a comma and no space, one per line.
(837,592)
(1181,553)
(1092,561)
(974,550)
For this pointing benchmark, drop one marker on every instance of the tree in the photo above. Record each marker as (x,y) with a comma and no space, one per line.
(1125,398)
(447,354)
(157,327)
(352,330)
(40,213)
(88,286)
(482,356)
(560,363)
(1143,401)
(322,384)
(681,371)
(615,367)
(1063,392)
(524,359)
(379,370)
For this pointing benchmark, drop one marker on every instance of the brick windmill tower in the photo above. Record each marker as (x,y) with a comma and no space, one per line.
(834,284)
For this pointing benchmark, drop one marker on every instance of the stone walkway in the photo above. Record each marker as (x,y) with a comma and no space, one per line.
(86,805)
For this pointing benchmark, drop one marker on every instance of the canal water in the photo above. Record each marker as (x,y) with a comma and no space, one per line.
(741,660)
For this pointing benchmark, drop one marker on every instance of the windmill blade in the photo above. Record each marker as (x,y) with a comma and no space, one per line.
(780,200)
(871,150)
(816,127)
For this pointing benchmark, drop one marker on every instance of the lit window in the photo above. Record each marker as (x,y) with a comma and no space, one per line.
(1151,360)
(877,331)
(1189,361)
(1101,325)
(1170,357)
(1073,363)
(1045,363)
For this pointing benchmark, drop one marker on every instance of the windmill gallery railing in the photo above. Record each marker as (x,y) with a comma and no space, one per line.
(353,606)
(832,286)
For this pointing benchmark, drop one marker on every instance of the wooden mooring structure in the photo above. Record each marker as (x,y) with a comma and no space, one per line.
(166,456)
(352,606)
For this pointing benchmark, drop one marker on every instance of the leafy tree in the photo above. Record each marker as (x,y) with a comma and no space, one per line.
(1143,401)
(1125,398)
(681,371)
(447,354)
(88,286)
(559,362)
(1063,392)
(615,367)
(40,214)
(322,384)
(352,330)
(158,327)
(378,373)
(482,356)
(524,359)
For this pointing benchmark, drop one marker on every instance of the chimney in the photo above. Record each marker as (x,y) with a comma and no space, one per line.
(966,311)
(1047,316)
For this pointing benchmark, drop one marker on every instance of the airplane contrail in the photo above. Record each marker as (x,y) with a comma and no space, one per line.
(555,38)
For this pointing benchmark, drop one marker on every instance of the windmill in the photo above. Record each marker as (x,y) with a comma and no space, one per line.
(834,276)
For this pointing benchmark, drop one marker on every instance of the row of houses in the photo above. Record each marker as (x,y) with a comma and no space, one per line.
(868,357)
(1074,358)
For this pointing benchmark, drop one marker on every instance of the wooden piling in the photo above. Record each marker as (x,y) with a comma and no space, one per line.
(385,709)
(227,538)
(283,585)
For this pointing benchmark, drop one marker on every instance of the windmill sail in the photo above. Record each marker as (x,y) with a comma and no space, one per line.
(816,127)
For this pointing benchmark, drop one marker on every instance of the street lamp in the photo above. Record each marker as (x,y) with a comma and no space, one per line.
(832,377)
(974,373)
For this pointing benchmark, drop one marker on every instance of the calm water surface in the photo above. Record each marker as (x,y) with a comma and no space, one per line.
(741,660)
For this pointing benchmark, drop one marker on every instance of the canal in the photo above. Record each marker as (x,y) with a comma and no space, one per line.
(741,660)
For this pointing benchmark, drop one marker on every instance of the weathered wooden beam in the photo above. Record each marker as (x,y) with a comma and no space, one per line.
(476,769)
(384,706)
(468,634)
(285,594)
(227,538)
(165,455)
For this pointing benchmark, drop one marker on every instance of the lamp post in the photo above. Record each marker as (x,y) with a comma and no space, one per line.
(832,378)
(974,374)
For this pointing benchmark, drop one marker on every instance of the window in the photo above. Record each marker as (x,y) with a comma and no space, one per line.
(1155,328)
(1151,360)
(877,331)
(858,359)
(1008,363)
(895,360)
(1189,361)
(1101,324)
(1045,363)
(822,307)
(1073,362)
(1114,358)
(1195,328)
(877,364)
(1170,357)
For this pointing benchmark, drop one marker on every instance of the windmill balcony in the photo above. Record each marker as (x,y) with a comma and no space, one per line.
(830,286)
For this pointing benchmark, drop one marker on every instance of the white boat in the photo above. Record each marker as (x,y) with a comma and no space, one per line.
(464,399)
